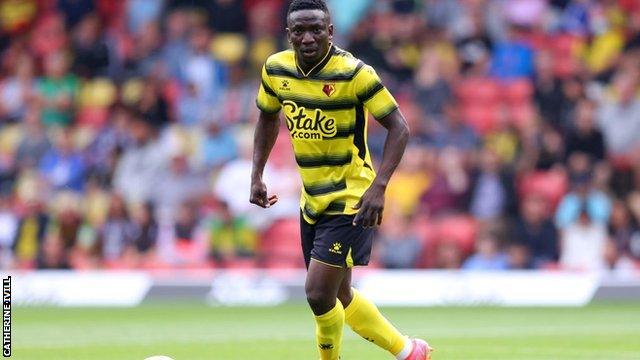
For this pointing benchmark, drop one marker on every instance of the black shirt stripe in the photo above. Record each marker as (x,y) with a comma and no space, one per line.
(311,161)
(325,188)
(268,89)
(376,88)
(325,75)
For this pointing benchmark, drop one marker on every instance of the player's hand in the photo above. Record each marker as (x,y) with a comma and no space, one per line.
(259,195)
(370,206)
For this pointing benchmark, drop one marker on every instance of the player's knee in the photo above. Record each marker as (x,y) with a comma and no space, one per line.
(319,301)
(345,296)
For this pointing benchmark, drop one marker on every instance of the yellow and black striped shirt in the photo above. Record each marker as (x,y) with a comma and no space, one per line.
(326,113)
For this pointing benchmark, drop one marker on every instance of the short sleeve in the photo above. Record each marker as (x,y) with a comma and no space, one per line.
(267,99)
(370,92)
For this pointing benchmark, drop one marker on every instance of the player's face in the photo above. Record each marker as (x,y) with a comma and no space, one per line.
(309,32)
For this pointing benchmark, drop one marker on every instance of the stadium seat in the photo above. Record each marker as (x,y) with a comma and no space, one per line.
(517,92)
(189,253)
(428,232)
(550,184)
(523,115)
(478,90)
(565,49)
(460,228)
(281,241)
(481,117)
(94,117)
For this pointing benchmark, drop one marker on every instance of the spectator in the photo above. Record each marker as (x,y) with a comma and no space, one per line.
(449,186)
(17,91)
(453,132)
(492,191)
(448,254)
(30,235)
(534,229)
(219,145)
(186,223)
(90,49)
(117,233)
(624,232)
(63,166)
(57,90)
(519,256)
(8,229)
(200,70)
(144,229)
(548,90)
(153,105)
(100,155)
(411,180)
(142,12)
(488,255)
(512,58)
(177,27)
(176,185)
(54,255)
(141,164)
(583,244)
(619,116)
(583,136)
(399,245)
(583,195)
(227,16)
(231,236)
(34,144)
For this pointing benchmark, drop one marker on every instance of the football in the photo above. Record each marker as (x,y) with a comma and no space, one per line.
(158,357)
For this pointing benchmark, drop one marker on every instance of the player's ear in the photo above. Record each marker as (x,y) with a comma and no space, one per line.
(288,35)
(330,31)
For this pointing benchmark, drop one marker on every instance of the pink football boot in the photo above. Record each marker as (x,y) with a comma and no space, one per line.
(421,350)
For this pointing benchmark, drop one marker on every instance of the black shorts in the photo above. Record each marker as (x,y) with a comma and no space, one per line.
(334,240)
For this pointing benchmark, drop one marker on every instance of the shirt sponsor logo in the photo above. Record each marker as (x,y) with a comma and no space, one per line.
(307,125)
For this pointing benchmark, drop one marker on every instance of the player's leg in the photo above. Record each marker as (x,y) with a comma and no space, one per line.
(321,287)
(365,319)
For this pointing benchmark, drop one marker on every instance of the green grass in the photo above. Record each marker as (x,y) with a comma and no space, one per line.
(193,331)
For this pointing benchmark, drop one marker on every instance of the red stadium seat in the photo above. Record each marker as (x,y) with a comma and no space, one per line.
(428,233)
(481,117)
(460,228)
(94,117)
(523,115)
(281,242)
(478,90)
(518,92)
(550,184)
(565,49)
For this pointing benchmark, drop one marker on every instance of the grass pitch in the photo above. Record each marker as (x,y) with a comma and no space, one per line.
(197,332)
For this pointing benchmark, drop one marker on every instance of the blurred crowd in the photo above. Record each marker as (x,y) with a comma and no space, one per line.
(126,133)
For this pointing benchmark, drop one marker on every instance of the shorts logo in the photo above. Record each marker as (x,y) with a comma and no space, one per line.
(326,346)
(336,248)
(329,89)
(302,125)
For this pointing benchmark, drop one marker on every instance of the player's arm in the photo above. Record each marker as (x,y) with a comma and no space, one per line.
(378,100)
(264,138)
(371,205)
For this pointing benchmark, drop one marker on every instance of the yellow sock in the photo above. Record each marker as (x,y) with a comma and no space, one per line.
(329,332)
(367,321)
